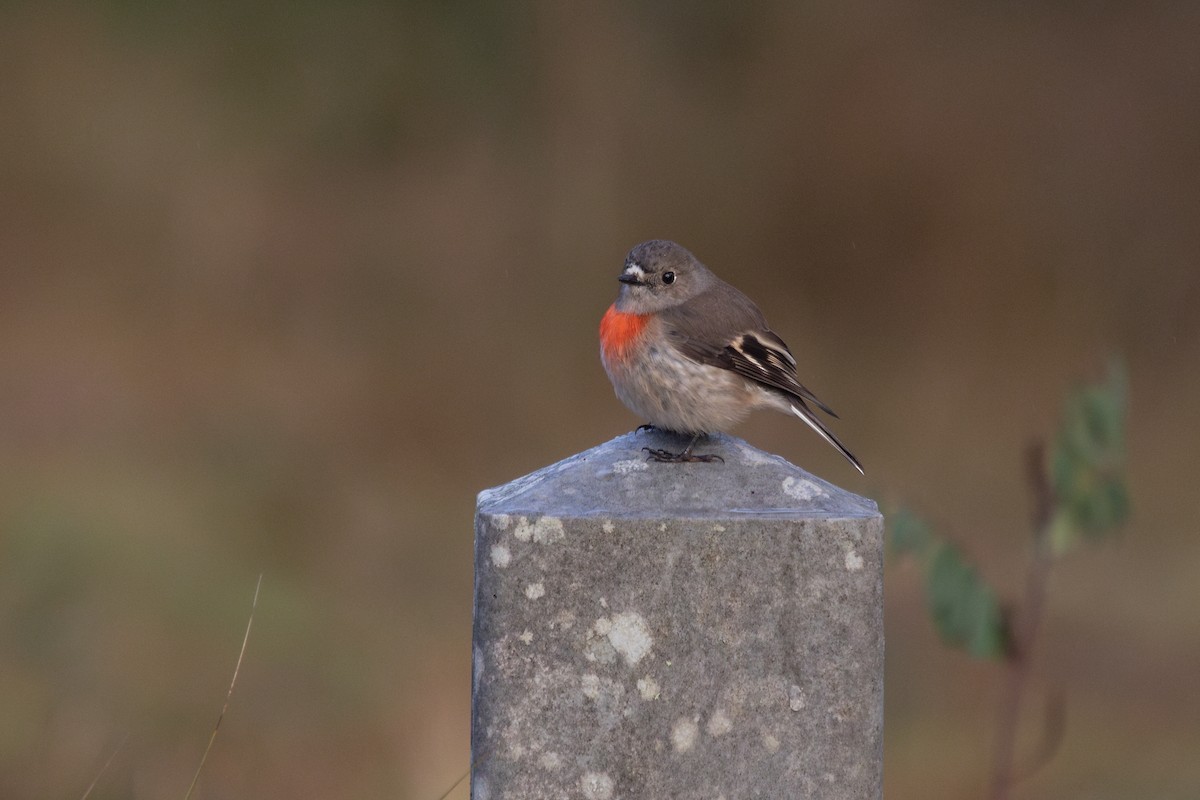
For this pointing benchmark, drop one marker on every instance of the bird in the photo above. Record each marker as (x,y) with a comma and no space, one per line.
(693,355)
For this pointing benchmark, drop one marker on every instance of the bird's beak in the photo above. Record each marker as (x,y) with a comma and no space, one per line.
(632,275)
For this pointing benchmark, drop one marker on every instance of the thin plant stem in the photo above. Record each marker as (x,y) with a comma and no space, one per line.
(237,668)
(1017,678)
(1025,628)
(104,769)
(454,786)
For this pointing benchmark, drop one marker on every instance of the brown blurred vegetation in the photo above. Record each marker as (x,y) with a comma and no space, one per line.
(284,285)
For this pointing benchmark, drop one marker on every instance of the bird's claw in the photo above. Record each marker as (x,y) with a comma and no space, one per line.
(667,457)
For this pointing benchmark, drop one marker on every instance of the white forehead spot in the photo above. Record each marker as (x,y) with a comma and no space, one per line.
(635,269)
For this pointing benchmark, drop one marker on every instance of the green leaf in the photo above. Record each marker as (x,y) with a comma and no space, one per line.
(1087,464)
(910,536)
(964,608)
(1102,508)
(1063,534)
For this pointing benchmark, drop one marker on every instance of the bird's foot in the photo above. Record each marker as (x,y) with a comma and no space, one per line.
(646,427)
(686,457)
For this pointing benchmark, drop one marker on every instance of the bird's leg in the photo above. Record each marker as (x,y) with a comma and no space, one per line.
(685,457)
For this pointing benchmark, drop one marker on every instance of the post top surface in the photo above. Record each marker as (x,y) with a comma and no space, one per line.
(616,479)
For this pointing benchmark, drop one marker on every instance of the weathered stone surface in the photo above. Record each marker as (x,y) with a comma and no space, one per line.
(647,630)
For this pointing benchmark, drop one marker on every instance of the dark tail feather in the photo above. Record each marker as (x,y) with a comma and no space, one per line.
(803,412)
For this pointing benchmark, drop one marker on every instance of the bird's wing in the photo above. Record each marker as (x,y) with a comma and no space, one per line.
(728,331)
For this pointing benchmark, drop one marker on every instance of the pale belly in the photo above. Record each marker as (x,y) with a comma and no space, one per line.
(673,392)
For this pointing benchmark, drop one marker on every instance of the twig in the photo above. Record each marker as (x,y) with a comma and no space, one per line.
(454,786)
(237,668)
(483,755)
(1039,483)
(1026,627)
(104,769)
(1053,730)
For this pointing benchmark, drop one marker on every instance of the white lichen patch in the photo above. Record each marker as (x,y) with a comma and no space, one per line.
(718,724)
(752,455)
(648,688)
(563,620)
(598,647)
(501,556)
(590,683)
(626,634)
(771,743)
(854,562)
(719,528)
(527,636)
(630,636)
(501,521)
(545,530)
(596,786)
(477,664)
(535,590)
(796,698)
(632,465)
(801,489)
(608,526)
(683,734)
(548,530)
(550,760)
(603,697)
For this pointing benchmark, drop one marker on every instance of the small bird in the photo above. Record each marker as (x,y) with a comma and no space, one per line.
(693,355)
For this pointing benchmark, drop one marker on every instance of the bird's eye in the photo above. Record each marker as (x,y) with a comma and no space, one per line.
(668,277)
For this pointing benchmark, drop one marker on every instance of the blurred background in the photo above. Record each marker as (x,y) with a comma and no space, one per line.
(285,284)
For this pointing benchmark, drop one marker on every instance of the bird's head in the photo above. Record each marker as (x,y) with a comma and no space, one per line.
(660,274)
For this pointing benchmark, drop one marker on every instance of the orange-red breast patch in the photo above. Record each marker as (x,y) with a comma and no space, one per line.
(618,331)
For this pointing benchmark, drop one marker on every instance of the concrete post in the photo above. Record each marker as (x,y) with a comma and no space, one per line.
(647,630)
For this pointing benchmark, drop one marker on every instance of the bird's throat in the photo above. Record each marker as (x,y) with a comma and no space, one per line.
(619,331)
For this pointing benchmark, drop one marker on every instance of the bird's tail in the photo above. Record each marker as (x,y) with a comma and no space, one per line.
(806,414)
